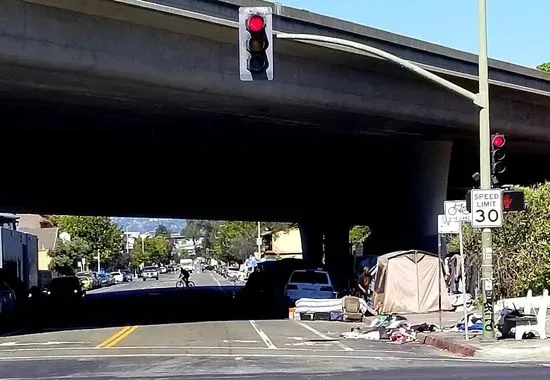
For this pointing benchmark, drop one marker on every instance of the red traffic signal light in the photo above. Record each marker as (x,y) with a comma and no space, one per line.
(498,141)
(255,43)
(255,24)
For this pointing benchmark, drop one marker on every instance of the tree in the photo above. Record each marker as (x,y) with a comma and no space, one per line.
(194,230)
(156,252)
(544,67)
(237,240)
(521,247)
(100,233)
(66,255)
(162,231)
(358,234)
(157,249)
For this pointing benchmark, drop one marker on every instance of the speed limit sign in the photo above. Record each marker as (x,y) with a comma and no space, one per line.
(486,208)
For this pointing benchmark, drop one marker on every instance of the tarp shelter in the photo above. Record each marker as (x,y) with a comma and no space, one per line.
(407,282)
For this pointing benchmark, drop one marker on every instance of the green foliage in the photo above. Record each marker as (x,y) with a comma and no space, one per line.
(358,234)
(194,230)
(521,248)
(100,234)
(237,240)
(163,231)
(66,255)
(544,67)
(156,252)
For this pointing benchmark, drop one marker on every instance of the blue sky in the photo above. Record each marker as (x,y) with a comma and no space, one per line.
(516,31)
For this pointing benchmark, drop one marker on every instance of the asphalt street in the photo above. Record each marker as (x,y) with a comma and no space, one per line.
(219,348)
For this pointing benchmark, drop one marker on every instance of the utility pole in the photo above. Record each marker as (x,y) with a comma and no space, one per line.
(98,261)
(481,100)
(259,241)
(485,171)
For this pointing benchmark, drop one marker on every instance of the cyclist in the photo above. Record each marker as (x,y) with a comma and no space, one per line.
(184,275)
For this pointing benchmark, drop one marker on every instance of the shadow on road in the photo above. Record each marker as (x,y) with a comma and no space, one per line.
(150,306)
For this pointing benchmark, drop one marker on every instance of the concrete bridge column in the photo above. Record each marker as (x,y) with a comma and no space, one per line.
(406,216)
(338,259)
(312,242)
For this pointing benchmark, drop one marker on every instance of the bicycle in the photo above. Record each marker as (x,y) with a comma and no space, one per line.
(181,284)
(461,209)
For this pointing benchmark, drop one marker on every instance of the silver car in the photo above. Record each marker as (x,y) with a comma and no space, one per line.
(150,272)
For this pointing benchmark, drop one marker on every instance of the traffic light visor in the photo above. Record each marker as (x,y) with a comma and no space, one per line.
(255,24)
(498,141)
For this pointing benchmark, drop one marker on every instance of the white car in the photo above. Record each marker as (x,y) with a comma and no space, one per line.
(150,272)
(118,276)
(309,283)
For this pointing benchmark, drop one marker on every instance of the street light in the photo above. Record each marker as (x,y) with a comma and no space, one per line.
(481,99)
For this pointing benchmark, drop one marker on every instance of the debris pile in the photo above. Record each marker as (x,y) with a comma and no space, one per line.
(392,327)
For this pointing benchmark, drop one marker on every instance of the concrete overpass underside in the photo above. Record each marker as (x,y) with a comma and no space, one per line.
(119,110)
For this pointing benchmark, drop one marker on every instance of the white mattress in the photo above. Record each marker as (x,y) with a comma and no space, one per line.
(312,305)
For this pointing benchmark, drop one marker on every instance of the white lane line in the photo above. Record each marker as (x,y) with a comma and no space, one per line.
(209,348)
(274,355)
(326,337)
(215,279)
(263,335)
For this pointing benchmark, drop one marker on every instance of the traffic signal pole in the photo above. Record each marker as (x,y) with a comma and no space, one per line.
(481,99)
(485,171)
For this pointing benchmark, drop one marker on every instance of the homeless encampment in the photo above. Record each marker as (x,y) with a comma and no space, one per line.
(407,282)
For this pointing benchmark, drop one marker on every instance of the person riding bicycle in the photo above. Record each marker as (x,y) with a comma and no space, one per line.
(184,275)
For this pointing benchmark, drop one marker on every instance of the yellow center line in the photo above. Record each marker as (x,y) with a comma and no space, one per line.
(113,337)
(121,337)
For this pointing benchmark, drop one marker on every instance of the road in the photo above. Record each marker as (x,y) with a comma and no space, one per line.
(141,347)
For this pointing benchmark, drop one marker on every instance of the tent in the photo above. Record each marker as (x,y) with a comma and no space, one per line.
(407,282)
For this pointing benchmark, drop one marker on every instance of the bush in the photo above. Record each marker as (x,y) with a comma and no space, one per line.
(521,248)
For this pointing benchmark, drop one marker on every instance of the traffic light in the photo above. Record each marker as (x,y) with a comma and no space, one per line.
(255,43)
(498,154)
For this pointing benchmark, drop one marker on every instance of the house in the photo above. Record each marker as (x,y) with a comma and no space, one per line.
(47,235)
(284,244)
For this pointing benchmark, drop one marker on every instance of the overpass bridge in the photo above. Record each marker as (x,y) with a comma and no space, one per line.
(105,97)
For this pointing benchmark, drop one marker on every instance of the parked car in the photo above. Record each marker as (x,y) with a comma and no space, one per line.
(118,276)
(309,283)
(128,276)
(150,272)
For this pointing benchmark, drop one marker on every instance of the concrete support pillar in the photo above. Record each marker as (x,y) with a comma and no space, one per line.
(338,259)
(312,243)
(407,214)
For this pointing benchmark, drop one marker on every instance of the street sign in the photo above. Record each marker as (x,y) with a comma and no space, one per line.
(486,208)
(455,211)
(445,227)
(259,241)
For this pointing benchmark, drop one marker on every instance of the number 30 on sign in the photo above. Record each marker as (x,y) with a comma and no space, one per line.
(486,208)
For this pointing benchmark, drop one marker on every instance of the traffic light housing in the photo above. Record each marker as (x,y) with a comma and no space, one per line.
(255,43)
(513,200)
(498,154)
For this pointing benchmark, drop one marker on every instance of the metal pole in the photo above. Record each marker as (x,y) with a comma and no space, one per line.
(485,170)
(461,246)
(259,237)
(98,261)
(384,55)
(439,279)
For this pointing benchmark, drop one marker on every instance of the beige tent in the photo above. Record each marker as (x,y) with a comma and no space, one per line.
(407,282)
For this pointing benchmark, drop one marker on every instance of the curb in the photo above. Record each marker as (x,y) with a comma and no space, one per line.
(448,344)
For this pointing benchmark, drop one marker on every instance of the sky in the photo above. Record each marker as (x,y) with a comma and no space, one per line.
(515,28)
